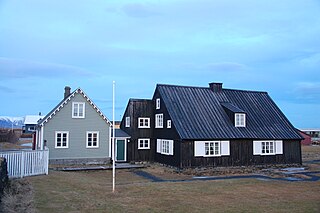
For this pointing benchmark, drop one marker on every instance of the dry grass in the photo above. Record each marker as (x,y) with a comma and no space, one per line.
(92,192)
(310,153)
(13,146)
(17,197)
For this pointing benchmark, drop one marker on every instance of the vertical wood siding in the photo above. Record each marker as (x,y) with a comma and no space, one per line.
(241,154)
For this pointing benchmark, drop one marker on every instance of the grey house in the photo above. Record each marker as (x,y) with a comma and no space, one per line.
(75,131)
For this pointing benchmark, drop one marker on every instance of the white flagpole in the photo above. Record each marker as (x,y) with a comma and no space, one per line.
(113,141)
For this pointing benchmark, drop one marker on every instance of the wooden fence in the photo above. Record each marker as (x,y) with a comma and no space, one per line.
(26,163)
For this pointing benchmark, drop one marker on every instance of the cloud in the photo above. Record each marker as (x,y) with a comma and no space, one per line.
(11,68)
(225,67)
(218,67)
(6,89)
(139,10)
(311,61)
(308,91)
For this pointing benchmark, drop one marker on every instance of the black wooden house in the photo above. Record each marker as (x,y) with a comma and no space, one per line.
(210,126)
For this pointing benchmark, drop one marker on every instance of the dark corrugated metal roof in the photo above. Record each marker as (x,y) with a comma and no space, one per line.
(120,134)
(232,108)
(197,113)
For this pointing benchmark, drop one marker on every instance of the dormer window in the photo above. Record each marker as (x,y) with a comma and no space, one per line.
(240,120)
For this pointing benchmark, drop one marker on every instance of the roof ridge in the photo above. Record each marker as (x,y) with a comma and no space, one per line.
(201,87)
(140,99)
(64,101)
(243,90)
(173,85)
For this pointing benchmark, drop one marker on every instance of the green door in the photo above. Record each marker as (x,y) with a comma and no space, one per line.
(120,150)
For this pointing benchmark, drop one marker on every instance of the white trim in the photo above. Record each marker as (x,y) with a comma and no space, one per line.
(257,147)
(199,148)
(144,121)
(223,148)
(125,149)
(168,124)
(144,139)
(64,102)
(240,120)
(279,147)
(276,146)
(159,145)
(158,103)
(110,142)
(98,139)
(67,140)
(212,144)
(165,146)
(83,104)
(159,121)
(127,124)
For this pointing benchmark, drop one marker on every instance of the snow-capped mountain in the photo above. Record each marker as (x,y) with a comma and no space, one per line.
(11,122)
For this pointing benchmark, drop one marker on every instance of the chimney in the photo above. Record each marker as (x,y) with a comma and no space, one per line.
(66,91)
(215,87)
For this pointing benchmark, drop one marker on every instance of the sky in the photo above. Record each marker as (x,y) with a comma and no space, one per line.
(265,45)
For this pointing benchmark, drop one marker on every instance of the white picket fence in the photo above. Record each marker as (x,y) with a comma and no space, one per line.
(26,163)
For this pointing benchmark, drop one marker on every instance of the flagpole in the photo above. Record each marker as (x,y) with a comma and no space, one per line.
(113,141)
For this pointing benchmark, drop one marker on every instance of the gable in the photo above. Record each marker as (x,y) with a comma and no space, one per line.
(77,95)
(198,113)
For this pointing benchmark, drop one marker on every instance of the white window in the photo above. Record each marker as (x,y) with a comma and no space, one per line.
(240,120)
(144,122)
(92,139)
(159,121)
(267,147)
(158,103)
(61,139)
(165,147)
(168,124)
(78,110)
(127,121)
(143,143)
(211,148)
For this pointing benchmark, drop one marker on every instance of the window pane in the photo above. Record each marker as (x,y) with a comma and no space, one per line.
(81,109)
(75,109)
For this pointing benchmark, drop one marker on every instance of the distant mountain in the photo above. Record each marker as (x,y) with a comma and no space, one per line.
(9,122)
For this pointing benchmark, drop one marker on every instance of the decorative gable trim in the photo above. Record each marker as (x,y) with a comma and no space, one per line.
(51,114)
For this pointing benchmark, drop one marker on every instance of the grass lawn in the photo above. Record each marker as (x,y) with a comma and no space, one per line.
(92,192)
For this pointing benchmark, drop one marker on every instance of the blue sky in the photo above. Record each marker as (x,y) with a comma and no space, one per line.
(265,45)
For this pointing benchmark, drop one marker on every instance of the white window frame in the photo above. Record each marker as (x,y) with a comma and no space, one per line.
(158,103)
(165,146)
(168,124)
(159,121)
(240,120)
(143,143)
(76,109)
(62,136)
(127,124)
(267,147)
(212,148)
(219,148)
(143,122)
(87,139)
